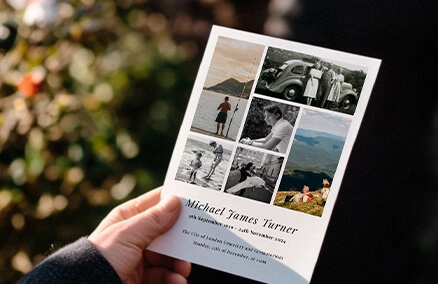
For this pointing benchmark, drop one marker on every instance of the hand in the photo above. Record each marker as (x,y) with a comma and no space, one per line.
(124,235)
(245,141)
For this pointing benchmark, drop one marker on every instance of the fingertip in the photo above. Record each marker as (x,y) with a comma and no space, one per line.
(171,203)
(162,275)
(182,267)
(173,264)
(175,278)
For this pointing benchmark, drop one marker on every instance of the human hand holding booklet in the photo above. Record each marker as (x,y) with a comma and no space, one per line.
(261,154)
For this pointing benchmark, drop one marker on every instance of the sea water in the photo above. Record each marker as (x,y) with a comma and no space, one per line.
(206,113)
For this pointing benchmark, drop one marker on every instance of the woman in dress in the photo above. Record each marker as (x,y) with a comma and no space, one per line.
(335,91)
(313,82)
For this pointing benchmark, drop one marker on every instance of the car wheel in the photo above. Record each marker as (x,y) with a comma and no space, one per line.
(348,104)
(292,93)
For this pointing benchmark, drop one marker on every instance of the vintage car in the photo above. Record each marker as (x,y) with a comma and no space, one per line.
(290,78)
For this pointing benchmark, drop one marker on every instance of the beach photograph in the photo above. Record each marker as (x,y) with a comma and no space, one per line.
(204,162)
(227,88)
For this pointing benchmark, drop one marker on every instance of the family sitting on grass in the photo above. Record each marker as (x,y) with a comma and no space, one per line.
(306,196)
(303,196)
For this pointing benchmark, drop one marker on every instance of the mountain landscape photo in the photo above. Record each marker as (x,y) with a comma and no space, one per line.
(314,156)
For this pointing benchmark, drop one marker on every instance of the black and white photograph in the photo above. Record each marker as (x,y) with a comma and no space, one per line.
(253,174)
(226,90)
(204,162)
(311,80)
(269,125)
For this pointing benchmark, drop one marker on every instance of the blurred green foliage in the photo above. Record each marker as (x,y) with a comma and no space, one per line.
(91,101)
(92,94)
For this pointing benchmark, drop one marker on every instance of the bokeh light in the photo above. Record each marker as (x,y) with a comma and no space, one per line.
(92,94)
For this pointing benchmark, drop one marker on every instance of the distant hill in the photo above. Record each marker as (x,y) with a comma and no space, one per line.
(232,87)
(276,56)
(313,133)
(314,156)
(296,179)
(311,160)
(319,154)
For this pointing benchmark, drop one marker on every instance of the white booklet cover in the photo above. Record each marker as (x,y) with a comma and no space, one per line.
(260,156)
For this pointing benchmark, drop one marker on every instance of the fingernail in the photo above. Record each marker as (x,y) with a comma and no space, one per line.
(171,203)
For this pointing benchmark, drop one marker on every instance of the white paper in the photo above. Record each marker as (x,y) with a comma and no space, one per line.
(262,235)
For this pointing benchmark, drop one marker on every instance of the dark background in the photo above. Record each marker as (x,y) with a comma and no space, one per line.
(384,220)
(384,227)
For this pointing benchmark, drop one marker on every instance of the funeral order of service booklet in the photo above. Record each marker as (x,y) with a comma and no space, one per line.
(261,153)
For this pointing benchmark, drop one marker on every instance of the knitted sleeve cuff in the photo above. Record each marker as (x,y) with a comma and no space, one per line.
(79,262)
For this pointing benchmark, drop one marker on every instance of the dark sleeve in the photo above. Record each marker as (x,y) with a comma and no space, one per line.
(79,262)
(243,174)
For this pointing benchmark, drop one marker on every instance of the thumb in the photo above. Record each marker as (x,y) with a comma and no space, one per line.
(143,228)
(123,243)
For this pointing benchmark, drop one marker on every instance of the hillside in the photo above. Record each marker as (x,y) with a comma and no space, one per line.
(320,154)
(311,160)
(233,87)
(276,56)
(314,207)
(314,133)
(295,179)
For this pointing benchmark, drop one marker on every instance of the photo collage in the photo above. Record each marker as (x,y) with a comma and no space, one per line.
(270,125)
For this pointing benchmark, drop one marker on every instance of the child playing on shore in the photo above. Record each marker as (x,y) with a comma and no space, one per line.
(195,164)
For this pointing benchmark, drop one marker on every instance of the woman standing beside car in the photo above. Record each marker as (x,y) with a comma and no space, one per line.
(312,84)
(335,91)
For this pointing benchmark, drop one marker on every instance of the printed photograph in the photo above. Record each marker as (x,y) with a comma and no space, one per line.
(312,161)
(269,125)
(253,174)
(311,80)
(204,162)
(226,90)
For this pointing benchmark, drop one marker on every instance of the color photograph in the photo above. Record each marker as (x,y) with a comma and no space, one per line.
(312,161)
(226,90)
